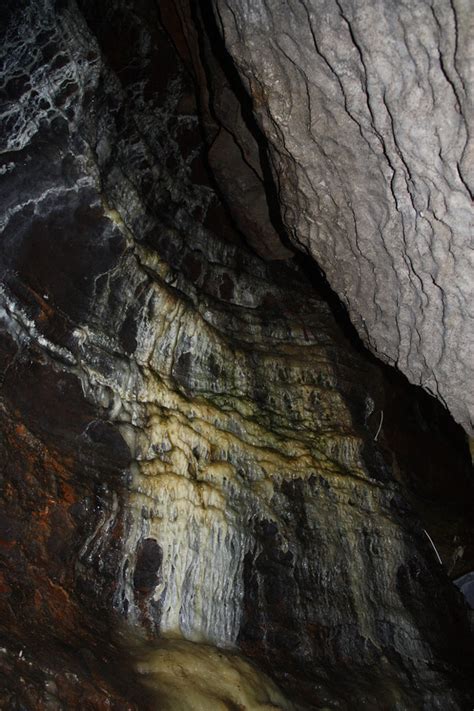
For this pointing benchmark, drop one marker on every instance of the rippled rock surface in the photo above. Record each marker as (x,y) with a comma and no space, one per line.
(367,109)
(192,446)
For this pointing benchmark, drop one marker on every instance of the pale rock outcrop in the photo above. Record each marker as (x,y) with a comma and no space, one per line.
(367,109)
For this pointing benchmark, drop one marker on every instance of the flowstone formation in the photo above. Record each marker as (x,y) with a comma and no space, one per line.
(367,110)
(195,450)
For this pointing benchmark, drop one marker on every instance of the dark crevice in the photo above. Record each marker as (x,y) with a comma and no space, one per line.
(206,19)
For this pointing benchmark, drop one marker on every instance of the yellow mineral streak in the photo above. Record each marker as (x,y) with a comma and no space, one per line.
(215,426)
(203,474)
(197,677)
(114,216)
(227,429)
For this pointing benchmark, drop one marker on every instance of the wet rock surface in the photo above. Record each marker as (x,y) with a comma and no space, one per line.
(192,444)
(367,109)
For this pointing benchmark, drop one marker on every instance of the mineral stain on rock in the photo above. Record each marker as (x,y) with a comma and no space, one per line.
(184,675)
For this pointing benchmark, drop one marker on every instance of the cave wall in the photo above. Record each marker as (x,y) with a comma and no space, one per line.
(192,443)
(367,110)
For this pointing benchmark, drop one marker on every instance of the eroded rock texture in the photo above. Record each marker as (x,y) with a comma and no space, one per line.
(367,109)
(192,446)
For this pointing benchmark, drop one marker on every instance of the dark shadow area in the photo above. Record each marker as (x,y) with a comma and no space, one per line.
(205,18)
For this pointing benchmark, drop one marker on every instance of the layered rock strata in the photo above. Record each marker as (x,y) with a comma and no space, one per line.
(193,446)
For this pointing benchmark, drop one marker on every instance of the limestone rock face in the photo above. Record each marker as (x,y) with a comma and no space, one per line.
(367,109)
(194,448)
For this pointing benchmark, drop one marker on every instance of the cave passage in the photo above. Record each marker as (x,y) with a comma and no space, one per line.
(213,496)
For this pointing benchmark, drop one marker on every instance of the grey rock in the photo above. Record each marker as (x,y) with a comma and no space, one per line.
(367,108)
(466,585)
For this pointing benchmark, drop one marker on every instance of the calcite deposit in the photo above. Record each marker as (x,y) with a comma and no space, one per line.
(196,450)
